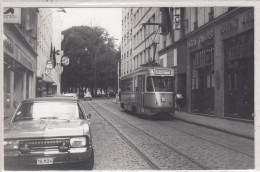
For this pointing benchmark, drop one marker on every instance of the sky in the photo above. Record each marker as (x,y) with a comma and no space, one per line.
(108,18)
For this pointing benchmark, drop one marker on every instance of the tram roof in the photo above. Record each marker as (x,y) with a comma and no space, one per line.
(146,69)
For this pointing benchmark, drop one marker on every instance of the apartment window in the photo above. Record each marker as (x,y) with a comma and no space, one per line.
(211,14)
(231,8)
(153,21)
(195,23)
(164,41)
(141,35)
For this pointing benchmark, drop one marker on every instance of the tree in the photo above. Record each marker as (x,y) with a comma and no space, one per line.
(92,56)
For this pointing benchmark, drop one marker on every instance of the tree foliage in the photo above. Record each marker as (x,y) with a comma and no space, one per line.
(92,53)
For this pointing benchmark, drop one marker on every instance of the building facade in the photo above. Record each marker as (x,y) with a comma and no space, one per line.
(140,39)
(20,56)
(44,46)
(212,53)
(56,40)
(49,40)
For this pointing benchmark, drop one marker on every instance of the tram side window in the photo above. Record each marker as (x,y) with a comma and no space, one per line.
(127,85)
(150,85)
(140,83)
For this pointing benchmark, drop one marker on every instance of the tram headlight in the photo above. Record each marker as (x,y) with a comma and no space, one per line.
(155,102)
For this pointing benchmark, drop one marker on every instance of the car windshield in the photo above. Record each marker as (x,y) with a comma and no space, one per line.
(47,110)
(160,84)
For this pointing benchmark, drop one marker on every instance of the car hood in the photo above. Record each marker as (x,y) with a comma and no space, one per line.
(45,128)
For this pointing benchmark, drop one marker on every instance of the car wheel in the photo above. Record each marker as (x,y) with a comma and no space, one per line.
(89,164)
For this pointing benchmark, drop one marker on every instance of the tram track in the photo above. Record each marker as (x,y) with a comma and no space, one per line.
(193,135)
(131,144)
(151,136)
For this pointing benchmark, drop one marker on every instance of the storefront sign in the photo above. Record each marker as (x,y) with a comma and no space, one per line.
(230,26)
(177,19)
(202,38)
(8,46)
(12,15)
(248,19)
(26,60)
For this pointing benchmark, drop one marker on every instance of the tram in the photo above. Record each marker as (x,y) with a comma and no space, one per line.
(148,91)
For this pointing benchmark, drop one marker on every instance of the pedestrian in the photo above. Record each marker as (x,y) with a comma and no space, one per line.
(179,99)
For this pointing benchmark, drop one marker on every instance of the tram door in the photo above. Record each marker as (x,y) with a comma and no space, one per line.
(140,93)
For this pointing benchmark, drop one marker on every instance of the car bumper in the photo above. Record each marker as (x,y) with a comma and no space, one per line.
(16,158)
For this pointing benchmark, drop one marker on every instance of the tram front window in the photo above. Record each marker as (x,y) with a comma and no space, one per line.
(160,84)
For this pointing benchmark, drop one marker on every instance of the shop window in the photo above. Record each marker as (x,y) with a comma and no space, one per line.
(211,14)
(239,46)
(195,25)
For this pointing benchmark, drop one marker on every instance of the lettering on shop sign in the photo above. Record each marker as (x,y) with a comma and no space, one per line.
(23,60)
(230,26)
(177,19)
(248,19)
(9,46)
(195,42)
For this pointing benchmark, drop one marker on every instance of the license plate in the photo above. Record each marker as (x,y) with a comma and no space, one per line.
(41,161)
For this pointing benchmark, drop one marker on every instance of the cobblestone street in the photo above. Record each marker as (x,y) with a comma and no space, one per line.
(123,141)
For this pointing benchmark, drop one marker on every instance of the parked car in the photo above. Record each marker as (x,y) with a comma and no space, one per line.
(72,95)
(87,96)
(48,131)
(75,95)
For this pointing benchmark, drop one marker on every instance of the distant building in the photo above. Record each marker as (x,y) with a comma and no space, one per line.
(56,40)
(49,40)
(44,47)
(20,56)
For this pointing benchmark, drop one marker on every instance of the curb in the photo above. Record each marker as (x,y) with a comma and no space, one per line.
(218,129)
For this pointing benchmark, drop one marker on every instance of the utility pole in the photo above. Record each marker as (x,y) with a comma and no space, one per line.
(95,73)
(118,78)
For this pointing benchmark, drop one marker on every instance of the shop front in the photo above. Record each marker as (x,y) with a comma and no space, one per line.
(19,74)
(238,45)
(201,54)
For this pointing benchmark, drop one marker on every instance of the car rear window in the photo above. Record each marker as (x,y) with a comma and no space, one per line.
(47,110)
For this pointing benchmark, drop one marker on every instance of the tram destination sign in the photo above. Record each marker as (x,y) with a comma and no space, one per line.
(162,71)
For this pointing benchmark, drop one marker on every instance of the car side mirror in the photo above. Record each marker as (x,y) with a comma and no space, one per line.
(88,116)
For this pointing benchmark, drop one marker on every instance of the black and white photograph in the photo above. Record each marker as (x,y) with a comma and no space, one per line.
(128,87)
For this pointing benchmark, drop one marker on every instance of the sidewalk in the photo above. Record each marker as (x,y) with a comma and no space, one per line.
(239,128)
(235,127)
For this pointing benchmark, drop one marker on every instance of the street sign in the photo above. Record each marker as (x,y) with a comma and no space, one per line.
(49,65)
(48,71)
(65,60)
